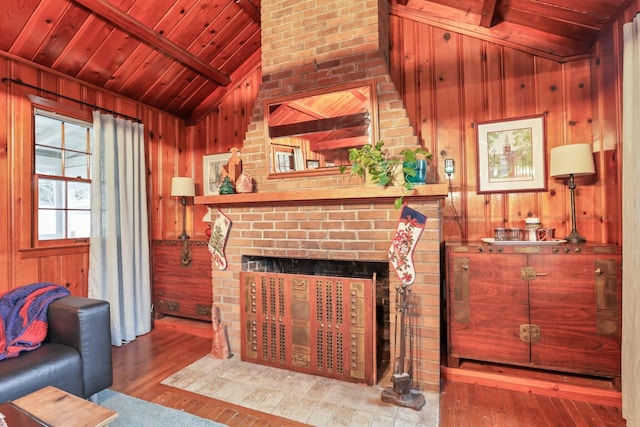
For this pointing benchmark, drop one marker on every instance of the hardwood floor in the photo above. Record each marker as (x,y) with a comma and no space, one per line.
(463,404)
(141,365)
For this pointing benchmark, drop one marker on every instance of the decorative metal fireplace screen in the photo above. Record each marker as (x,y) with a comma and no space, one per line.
(319,325)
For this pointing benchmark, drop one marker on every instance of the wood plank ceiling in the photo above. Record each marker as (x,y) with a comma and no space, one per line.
(181,56)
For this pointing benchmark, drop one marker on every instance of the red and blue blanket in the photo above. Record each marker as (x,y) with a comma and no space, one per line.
(23,317)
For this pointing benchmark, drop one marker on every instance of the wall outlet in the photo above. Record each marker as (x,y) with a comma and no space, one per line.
(449,166)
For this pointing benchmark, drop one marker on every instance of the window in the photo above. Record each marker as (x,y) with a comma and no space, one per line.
(284,161)
(62,176)
(286,158)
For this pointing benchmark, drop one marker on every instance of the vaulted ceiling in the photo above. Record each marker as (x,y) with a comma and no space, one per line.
(181,56)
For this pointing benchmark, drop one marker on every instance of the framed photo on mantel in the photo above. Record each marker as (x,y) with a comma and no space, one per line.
(512,155)
(212,166)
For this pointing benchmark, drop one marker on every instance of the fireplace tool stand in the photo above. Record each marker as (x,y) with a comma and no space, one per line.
(401,393)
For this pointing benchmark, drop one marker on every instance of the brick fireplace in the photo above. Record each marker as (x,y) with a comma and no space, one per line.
(307,46)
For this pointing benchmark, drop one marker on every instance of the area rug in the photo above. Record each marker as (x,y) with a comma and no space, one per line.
(309,399)
(133,412)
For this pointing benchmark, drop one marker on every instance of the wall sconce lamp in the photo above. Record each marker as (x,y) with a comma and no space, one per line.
(569,161)
(183,187)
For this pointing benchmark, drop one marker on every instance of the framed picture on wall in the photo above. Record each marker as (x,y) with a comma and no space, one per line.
(512,155)
(212,165)
(313,164)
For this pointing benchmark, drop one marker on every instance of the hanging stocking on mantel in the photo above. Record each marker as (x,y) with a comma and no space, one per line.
(404,242)
(218,239)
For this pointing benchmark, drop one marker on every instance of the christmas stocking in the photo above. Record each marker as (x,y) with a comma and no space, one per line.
(218,239)
(409,229)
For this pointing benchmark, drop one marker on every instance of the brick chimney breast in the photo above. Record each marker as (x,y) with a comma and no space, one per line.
(298,33)
(311,45)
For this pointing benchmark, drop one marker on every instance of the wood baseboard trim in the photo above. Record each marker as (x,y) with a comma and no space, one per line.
(188,326)
(536,386)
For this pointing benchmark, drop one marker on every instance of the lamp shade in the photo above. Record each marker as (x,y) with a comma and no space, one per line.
(182,186)
(573,159)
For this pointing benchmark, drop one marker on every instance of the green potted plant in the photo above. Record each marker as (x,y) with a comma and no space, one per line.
(371,162)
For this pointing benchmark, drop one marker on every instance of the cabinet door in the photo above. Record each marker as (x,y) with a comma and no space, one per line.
(576,301)
(488,301)
(266,319)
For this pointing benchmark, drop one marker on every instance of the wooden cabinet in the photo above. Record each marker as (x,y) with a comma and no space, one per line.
(552,307)
(313,324)
(182,288)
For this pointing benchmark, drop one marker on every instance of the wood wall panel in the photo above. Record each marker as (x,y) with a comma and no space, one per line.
(5,176)
(27,271)
(476,99)
(68,271)
(442,103)
(550,100)
(153,176)
(519,101)
(21,184)
(518,87)
(412,64)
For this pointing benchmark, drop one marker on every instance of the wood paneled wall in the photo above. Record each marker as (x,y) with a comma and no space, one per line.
(168,154)
(222,129)
(451,81)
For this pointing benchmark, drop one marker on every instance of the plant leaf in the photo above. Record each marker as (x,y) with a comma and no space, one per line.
(398,203)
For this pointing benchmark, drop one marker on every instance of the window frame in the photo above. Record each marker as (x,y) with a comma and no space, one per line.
(68,114)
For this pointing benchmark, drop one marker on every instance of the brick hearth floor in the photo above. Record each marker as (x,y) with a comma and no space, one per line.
(304,398)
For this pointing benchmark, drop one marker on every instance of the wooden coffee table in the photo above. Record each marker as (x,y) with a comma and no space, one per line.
(59,408)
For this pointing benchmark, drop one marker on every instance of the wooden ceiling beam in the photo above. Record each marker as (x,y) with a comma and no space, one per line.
(488,12)
(336,144)
(553,47)
(131,26)
(320,125)
(250,9)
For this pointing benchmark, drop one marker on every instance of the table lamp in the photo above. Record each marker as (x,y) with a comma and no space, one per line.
(183,187)
(568,161)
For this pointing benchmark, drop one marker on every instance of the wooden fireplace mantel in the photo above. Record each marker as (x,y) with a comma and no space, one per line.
(327,196)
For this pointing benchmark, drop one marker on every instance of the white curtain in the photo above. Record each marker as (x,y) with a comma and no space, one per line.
(631,223)
(119,270)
